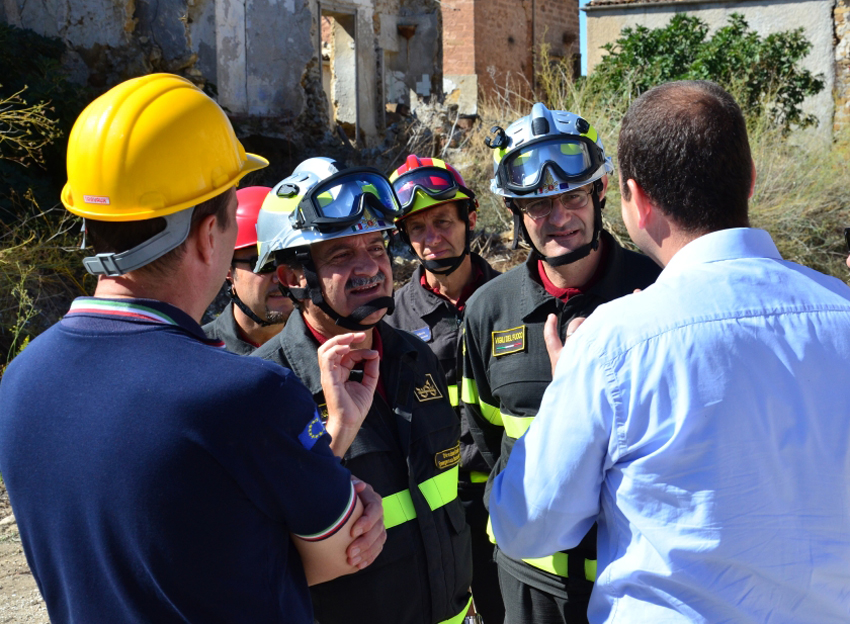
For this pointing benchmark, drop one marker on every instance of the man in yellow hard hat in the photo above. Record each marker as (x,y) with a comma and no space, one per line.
(154,476)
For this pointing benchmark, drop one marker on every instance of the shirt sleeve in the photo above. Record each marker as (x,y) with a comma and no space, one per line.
(280,455)
(480,409)
(548,495)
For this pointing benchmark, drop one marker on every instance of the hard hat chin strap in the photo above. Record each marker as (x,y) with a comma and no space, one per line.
(244,307)
(177,228)
(576,254)
(313,292)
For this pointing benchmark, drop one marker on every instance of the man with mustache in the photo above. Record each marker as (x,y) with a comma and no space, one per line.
(324,228)
(551,170)
(258,309)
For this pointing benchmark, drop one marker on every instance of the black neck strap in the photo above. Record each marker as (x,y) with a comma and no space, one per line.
(313,292)
(242,306)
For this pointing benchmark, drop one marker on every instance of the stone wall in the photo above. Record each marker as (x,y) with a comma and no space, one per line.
(842,64)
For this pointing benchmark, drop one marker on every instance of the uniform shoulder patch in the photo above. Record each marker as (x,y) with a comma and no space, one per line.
(312,432)
(427,391)
(448,458)
(508,341)
(323,412)
(423,333)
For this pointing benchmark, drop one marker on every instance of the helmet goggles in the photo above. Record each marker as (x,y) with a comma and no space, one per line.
(569,157)
(340,200)
(435,182)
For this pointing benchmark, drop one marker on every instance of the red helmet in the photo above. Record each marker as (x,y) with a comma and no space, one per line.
(250,201)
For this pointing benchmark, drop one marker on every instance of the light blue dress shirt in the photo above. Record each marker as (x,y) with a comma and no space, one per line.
(704,423)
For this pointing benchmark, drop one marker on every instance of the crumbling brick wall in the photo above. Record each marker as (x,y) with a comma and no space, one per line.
(508,34)
(842,64)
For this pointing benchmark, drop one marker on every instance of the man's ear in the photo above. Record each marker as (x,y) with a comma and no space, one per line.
(644,211)
(753,180)
(604,187)
(289,277)
(473,218)
(206,239)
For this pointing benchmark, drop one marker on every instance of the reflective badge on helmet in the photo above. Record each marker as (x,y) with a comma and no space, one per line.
(448,458)
(312,432)
(429,391)
(508,341)
(423,333)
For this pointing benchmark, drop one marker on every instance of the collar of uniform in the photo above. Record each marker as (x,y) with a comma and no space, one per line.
(238,335)
(427,300)
(534,295)
(141,311)
(729,244)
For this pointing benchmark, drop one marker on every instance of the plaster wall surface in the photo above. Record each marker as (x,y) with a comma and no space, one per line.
(604,24)
(842,64)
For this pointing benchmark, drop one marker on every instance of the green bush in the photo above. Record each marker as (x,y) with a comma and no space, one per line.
(763,72)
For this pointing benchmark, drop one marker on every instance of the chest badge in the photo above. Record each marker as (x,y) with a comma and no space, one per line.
(448,458)
(424,333)
(428,391)
(508,341)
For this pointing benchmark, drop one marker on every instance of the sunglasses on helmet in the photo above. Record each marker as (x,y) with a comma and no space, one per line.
(341,200)
(569,157)
(435,182)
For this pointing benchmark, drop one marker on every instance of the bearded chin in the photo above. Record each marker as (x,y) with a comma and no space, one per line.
(275,318)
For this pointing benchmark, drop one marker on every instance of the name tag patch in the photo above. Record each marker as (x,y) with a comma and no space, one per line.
(508,341)
(424,333)
(428,391)
(323,412)
(448,458)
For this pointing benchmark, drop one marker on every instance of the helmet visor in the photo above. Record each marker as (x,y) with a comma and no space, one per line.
(433,181)
(340,200)
(568,157)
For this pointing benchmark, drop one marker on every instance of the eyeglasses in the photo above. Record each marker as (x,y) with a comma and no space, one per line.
(252,262)
(571,200)
(847,237)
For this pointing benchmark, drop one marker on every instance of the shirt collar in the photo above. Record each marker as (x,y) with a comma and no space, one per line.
(729,244)
(141,311)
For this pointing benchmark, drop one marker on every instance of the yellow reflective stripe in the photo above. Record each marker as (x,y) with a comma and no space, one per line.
(458,619)
(438,491)
(441,489)
(515,426)
(553,564)
(453,396)
(590,570)
(478,477)
(556,564)
(469,394)
(398,509)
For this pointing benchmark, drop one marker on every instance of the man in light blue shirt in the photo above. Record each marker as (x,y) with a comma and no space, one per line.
(703,422)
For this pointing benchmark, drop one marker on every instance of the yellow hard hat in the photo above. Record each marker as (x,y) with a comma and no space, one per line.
(150,147)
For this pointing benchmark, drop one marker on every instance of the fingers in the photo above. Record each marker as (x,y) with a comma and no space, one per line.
(552,340)
(366,548)
(574,325)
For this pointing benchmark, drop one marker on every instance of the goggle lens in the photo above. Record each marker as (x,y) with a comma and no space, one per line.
(524,167)
(436,182)
(340,198)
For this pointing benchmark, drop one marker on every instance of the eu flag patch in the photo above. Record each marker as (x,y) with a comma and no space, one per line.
(312,432)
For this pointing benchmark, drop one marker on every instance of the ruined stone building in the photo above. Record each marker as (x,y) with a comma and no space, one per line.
(306,68)
(826,24)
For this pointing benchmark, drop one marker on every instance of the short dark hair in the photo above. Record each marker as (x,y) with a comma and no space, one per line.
(119,236)
(685,144)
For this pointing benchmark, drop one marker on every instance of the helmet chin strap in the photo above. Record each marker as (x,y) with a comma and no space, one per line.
(234,297)
(313,292)
(443,266)
(576,254)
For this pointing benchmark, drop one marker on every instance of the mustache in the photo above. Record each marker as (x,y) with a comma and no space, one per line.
(364,282)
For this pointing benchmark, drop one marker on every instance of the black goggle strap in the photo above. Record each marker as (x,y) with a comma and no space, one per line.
(242,306)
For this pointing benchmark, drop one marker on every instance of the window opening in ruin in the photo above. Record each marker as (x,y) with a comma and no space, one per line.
(339,70)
